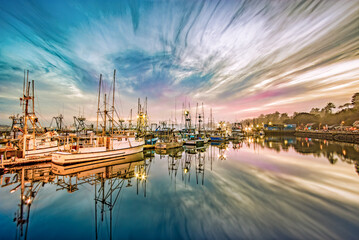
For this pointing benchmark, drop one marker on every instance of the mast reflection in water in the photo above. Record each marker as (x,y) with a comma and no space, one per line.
(274,187)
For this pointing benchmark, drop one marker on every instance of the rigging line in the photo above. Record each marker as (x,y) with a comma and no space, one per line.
(118,187)
(42,117)
(117,115)
(122,182)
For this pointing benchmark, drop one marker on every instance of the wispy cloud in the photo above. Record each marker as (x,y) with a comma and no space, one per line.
(252,56)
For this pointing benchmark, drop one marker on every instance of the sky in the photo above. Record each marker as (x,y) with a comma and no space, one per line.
(240,58)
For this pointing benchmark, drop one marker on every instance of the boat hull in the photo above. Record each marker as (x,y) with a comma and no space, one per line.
(197,143)
(40,152)
(64,158)
(169,145)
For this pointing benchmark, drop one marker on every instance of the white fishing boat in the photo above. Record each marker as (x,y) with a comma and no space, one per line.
(173,141)
(109,145)
(33,145)
(98,148)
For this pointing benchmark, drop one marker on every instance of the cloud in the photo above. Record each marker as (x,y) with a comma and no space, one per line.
(221,53)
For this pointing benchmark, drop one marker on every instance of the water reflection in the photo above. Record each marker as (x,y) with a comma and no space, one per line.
(333,151)
(28,181)
(273,187)
(107,177)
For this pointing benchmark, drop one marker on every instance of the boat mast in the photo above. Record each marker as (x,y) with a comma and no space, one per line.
(98,102)
(105,119)
(25,105)
(190,120)
(203,119)
(33,113)
(130,126)
(113,98)
(145,117)
(23,91)
(211,121)
(195,124)
(175,113)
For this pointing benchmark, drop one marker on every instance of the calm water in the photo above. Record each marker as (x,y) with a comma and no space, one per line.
(272,188)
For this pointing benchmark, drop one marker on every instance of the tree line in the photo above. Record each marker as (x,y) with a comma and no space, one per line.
(345,114)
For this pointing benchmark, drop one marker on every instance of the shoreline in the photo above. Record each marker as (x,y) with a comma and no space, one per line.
(332,135)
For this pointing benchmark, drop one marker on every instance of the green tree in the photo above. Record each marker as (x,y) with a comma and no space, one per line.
(345,106)
(305,118)
(315,111)
(329,108)
(284,117)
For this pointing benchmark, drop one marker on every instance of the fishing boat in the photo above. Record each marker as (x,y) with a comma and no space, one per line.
(194,136)
(150,140)
(110,144)
(174,141)
(97,148)
(222,133)
(34,144)
(194,139)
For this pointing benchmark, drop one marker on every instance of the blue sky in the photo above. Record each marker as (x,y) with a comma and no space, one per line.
(242,58)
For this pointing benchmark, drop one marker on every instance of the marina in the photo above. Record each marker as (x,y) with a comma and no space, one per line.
(181,119)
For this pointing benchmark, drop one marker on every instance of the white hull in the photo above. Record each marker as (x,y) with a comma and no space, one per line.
(43,151)
(194,142)
(64,158)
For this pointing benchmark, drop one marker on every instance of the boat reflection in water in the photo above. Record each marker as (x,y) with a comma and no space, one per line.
(27,180)
(108,177)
